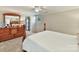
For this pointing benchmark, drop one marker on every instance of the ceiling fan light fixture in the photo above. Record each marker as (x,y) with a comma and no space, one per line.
(37,9)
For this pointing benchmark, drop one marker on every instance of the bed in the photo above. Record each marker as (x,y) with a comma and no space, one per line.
(50,41)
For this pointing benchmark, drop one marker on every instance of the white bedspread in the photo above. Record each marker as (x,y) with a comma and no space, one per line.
(48,41)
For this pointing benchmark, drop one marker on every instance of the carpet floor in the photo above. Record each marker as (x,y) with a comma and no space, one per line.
(14,45)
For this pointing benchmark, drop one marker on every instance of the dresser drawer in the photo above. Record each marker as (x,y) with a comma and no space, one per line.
(4,34)
(4,31)
(6,37)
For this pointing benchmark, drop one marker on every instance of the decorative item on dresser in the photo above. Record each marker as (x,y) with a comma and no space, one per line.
(12,32)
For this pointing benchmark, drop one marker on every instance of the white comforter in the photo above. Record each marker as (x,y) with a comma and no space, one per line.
(50,41)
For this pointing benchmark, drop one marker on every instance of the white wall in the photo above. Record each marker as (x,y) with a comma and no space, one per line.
(66,22)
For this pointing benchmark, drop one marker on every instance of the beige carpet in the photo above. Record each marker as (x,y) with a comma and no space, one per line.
(14,45)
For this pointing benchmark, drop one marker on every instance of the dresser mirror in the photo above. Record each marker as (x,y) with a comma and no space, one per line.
(11,18)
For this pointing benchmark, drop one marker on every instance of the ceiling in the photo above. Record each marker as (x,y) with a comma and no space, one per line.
(57,9)
(29,9)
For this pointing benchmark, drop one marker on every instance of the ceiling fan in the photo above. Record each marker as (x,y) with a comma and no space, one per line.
(39,9)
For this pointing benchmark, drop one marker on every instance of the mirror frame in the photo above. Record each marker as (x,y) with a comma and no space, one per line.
(10,14)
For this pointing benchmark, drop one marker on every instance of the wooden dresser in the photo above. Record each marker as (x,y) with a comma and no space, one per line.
(11,32)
